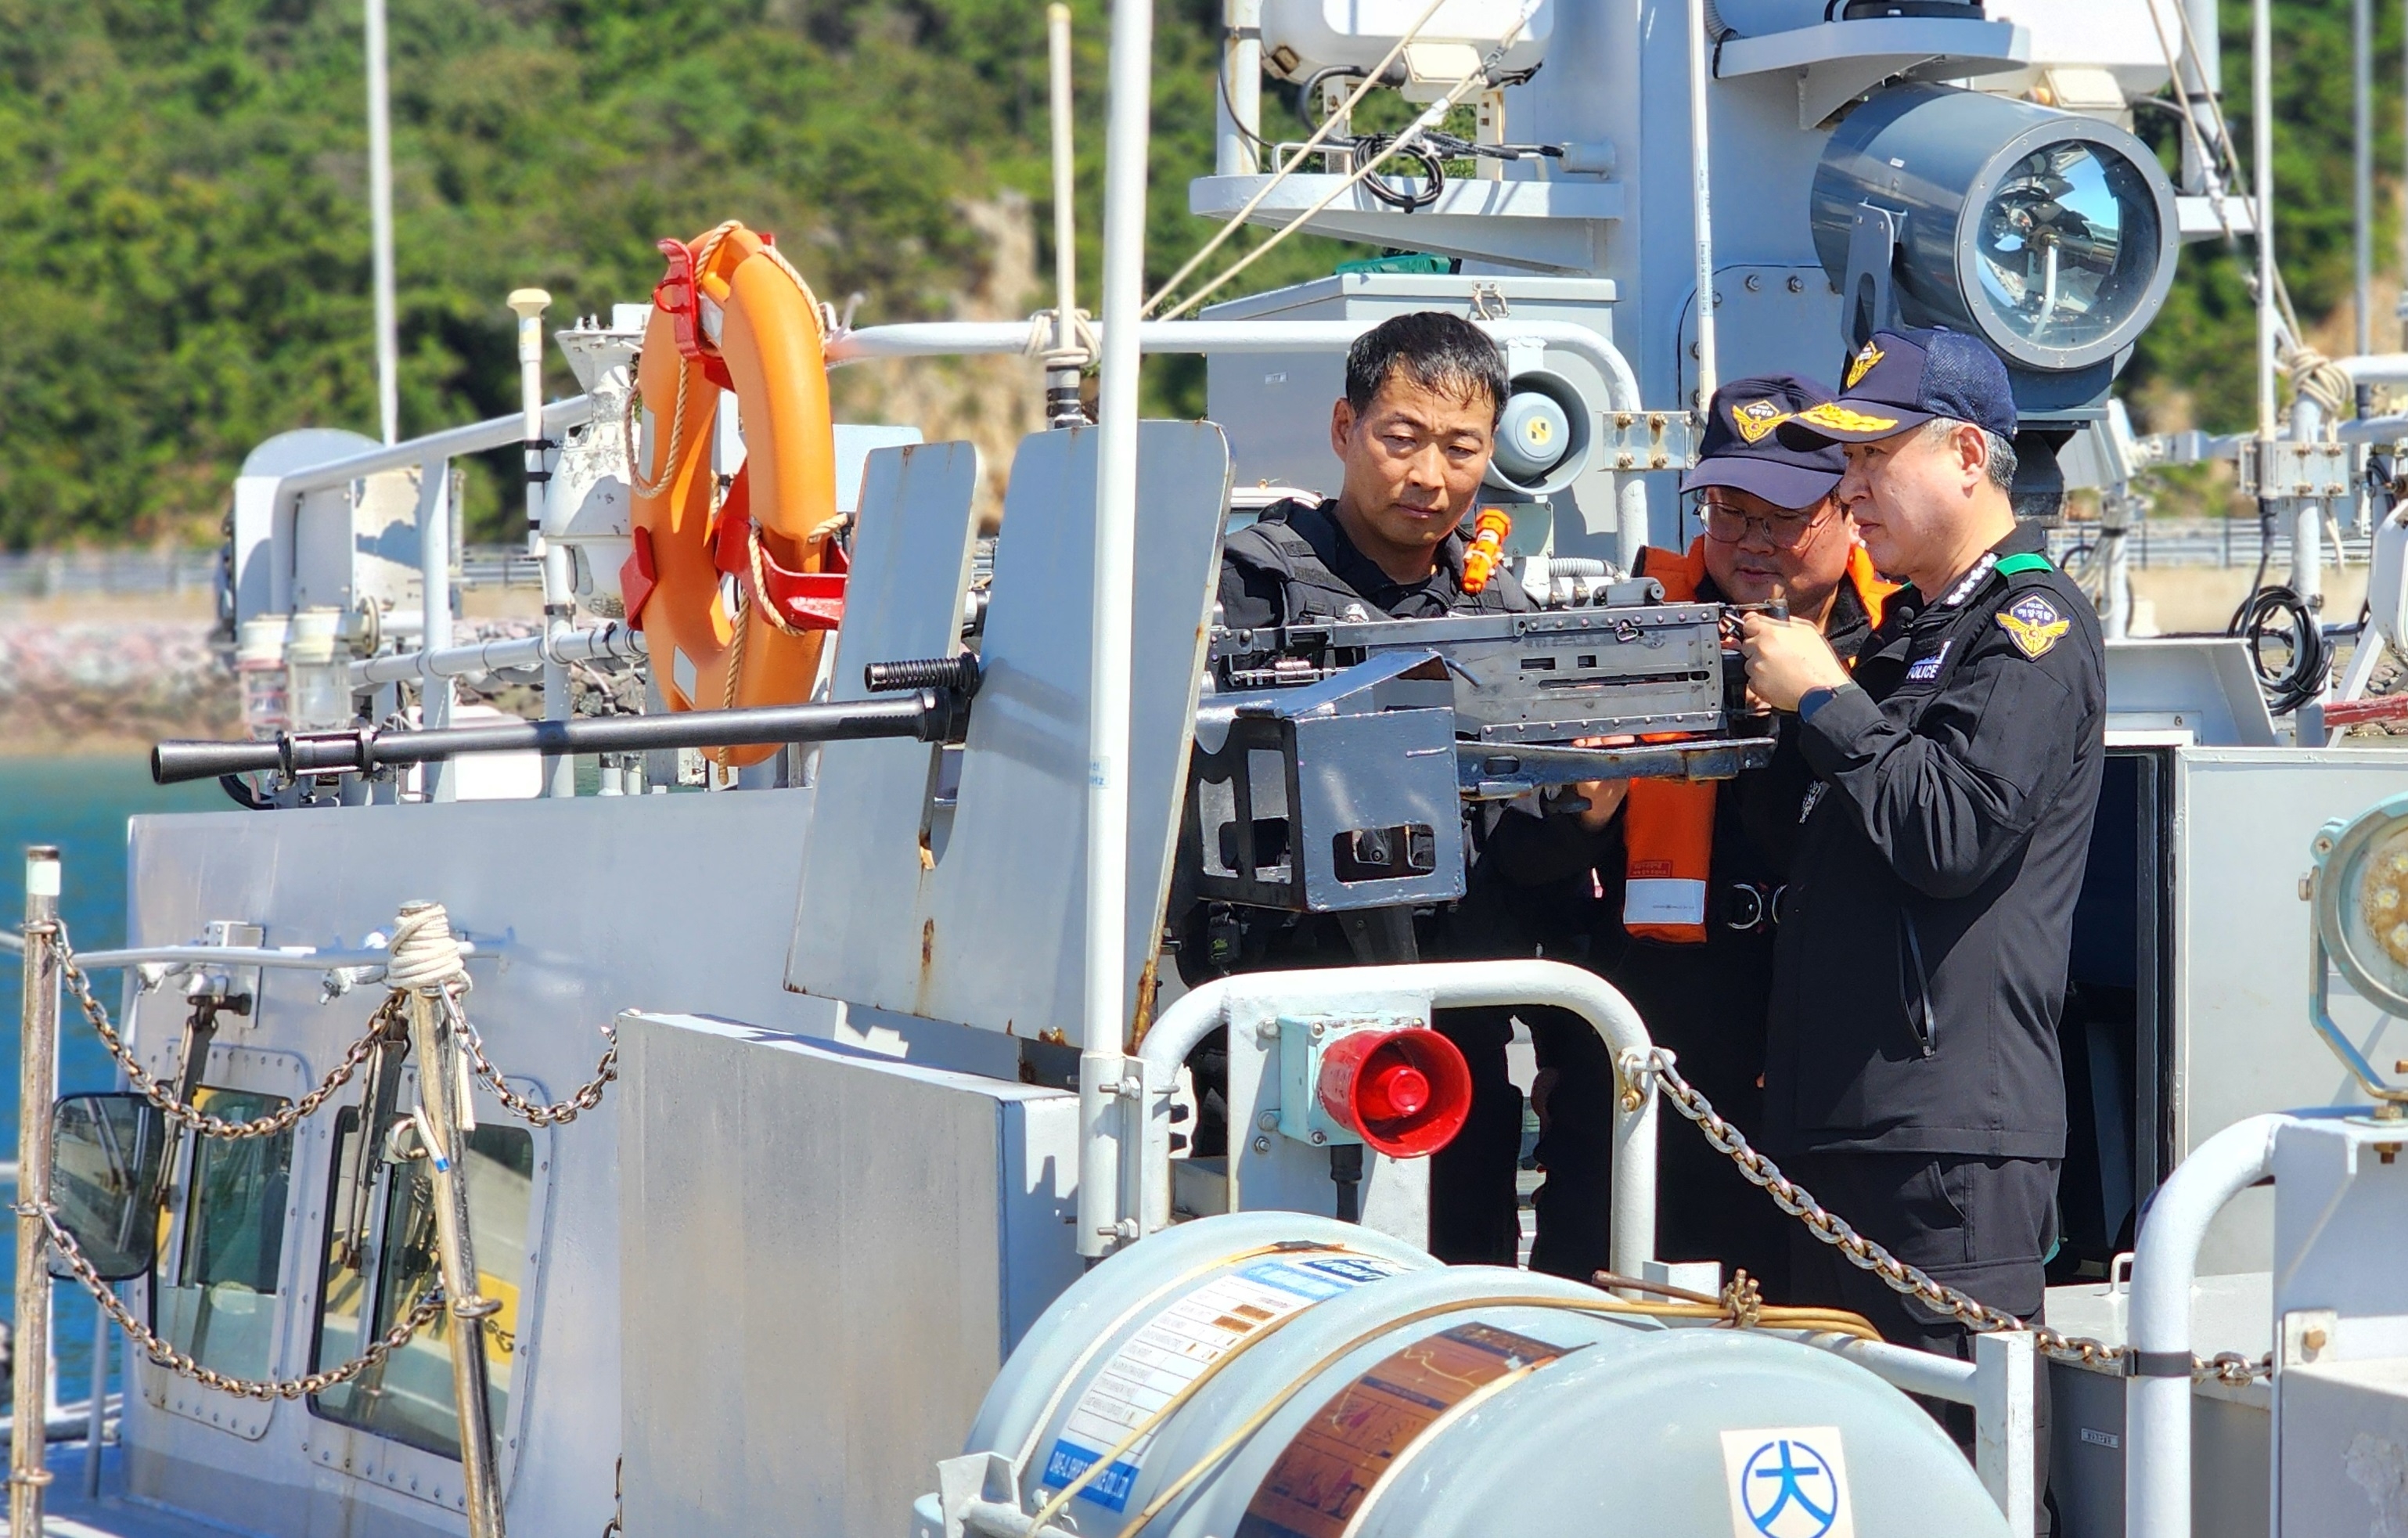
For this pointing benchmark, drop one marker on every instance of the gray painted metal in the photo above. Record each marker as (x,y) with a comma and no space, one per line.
(1525,1457)
(890,916)
(601,905)
(817,1306)
(2198,686)
(1271,1171)
(2243,1043)
(1276,406)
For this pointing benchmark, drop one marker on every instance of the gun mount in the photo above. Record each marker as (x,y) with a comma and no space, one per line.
(1331,771)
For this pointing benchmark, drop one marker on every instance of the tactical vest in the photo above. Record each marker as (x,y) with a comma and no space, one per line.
(1311,591)
(1668,825)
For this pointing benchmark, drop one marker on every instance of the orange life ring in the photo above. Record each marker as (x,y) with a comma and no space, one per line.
(735,594)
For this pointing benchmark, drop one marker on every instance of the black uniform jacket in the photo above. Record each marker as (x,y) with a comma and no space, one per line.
(1295,562)
(1921,965)
(1704,1001)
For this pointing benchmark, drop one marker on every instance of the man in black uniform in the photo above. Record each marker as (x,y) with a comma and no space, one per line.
(1699,869)
(1413,434)
(1912,1080)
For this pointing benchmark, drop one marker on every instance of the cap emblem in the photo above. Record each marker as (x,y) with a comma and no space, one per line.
(1861,364)
(1755,418)
(2034,625)
(1840,418)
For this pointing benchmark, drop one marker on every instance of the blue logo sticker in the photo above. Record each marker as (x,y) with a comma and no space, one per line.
(1789,1491)
(1108,1489)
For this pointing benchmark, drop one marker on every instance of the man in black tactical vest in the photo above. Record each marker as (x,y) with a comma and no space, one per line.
(1413,434)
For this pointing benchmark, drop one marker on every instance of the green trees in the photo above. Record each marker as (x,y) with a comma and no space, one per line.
(183,231)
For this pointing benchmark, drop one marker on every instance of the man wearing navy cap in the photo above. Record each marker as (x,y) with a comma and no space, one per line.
(1912,1080)
(1693,873)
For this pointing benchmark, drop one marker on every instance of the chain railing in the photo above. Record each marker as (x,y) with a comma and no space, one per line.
(558,1114)
(387,1025)
(2229,1366)
(383,1025)
(166,1354)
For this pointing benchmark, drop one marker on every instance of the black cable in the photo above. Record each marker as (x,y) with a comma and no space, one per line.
(2277,612)
(236,787)
(1221,83)
(1369,146)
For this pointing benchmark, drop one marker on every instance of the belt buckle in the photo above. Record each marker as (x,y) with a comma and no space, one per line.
(1756,908)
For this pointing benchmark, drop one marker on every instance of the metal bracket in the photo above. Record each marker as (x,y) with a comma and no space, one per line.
(1490,772)
(2272,468)
(1648,440)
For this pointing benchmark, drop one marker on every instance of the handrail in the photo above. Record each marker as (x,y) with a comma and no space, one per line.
(2165,1264)
(1145,1200)
(452,442)
(609,640)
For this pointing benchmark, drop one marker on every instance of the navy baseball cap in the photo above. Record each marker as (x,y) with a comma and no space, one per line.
(1901,380)
(1740,448)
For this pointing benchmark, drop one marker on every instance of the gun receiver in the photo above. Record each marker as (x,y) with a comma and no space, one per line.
(1332,764)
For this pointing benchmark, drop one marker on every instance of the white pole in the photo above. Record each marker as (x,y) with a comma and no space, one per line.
(388,348)
(1701,208)
(1237,104)
(528,303)
(1062,384)
(1103,1024)
(2261,148)
(37,1084)
(2361,18)
(2307,514)
(2157,1399)
(435,633)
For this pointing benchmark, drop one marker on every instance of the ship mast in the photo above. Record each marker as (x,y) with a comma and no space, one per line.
(388,351)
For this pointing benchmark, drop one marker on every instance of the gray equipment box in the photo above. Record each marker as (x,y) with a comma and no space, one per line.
(812,1306)
(1275,406)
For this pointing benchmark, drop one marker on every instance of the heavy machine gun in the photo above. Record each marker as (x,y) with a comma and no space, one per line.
(1333,759)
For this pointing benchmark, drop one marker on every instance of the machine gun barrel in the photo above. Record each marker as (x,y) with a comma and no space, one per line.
(929,714)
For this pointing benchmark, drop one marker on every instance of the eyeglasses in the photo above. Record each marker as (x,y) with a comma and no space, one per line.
(1726,525)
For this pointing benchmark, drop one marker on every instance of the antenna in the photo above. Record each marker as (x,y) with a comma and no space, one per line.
(388,349)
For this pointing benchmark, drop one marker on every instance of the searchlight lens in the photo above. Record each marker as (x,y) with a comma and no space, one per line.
(2049,235)
(2055,252)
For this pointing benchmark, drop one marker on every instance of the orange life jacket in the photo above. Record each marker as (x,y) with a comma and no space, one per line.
(1668,825)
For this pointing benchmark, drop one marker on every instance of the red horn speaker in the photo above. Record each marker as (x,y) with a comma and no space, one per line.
(1404,1092)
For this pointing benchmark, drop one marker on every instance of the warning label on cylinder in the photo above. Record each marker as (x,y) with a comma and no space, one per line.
(1334,1463)
(1174,1349)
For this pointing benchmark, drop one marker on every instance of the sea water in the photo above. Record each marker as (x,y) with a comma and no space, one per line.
(81,805)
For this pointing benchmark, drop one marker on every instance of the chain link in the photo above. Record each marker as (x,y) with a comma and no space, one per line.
(386,1024)
(558,1114)
(382,1025)
(2229,1367)
(181,1363)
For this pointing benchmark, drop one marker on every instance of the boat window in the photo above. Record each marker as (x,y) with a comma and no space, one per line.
(220,1296)
(381,1261)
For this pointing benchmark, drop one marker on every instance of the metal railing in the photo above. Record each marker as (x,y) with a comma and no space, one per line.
(80,573)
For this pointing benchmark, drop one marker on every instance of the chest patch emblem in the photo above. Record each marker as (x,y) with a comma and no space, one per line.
(1755,418)
(1924,669)
(2034,625)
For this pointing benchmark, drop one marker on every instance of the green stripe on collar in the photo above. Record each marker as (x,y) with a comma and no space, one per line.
(2028,561)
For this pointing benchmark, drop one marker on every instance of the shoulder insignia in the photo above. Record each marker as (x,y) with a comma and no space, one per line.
(1755,418)
(1861,364)
(2033,624)
(1834,415)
